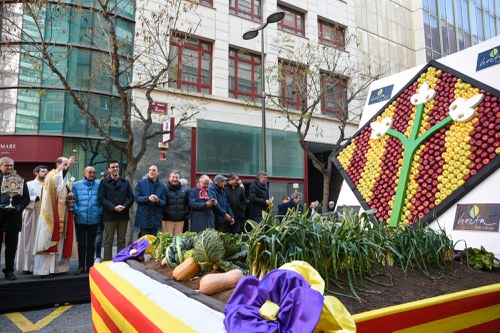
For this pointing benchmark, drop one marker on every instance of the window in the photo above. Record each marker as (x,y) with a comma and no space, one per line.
(244,75)
(331,34)
(292,22)
(209,3)
(293,86)
(249,9)
(334,100)
(191,64)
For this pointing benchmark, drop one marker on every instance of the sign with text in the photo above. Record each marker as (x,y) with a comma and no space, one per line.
(480,217)
(159,107)
(380,95)
(488,58)
(168,126)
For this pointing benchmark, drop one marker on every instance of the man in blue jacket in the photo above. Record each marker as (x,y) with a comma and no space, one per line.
(151,197)
(224,217)
(87,212)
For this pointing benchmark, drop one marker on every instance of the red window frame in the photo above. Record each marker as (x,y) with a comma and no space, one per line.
(341,85)
(294,70)
(337,39)
(201,51)
(235,10)
(255,61)
(296,29)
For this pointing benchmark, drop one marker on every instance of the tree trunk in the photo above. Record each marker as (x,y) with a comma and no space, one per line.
(129,175)
(326,191)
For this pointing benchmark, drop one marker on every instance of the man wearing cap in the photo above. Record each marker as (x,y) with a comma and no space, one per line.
(224,217)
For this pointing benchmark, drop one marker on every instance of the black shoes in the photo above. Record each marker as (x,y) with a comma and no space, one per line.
(79,270)
(10,276)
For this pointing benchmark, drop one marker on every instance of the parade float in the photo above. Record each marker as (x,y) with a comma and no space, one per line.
(432,144)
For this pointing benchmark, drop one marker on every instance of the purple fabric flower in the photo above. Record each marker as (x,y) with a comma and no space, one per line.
(134,250)
(299,305)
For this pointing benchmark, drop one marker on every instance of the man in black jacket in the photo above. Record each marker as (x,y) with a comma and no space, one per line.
(116,197)
(11,219)
(177,209)
(258,196)
(237,201)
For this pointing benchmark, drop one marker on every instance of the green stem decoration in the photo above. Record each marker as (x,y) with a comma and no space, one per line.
(410,146)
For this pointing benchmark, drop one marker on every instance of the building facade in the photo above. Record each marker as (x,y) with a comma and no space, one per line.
(400,34)
(39,120)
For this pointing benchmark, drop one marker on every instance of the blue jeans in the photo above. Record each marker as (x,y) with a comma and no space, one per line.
(98,239)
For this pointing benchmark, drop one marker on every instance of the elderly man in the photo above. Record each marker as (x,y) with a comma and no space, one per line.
(258,195)
(54,233)
(24,258)
(11,218)
(294,202)
(177,206)
(151,197)
(224,217)
(202,213)
(116,197)
(87,216)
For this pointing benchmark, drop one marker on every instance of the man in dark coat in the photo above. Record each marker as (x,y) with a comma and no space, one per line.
(237,200)
(258,196)
(151,197)
(11,219)
(294,202)
(224,217)
(116,198)
(202,213)
(177,207)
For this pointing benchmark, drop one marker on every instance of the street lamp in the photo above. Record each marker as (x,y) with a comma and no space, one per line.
(274,17)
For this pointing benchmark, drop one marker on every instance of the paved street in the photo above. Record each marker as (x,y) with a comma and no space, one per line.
(71,319)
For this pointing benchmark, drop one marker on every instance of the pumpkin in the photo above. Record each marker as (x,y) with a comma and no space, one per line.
(186,270)
(215,283)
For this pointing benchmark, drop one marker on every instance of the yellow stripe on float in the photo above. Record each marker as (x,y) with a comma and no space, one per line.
(458,322)
(113,313)
(369,315)
(99,324)
(157,315)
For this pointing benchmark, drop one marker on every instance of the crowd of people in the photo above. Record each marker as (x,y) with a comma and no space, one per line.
(49,212)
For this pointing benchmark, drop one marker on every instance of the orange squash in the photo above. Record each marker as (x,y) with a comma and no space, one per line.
(215,283)
(186,270)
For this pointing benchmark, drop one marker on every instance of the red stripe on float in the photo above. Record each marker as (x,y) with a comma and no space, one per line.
(127,309)
(490,326)
(406,319)
(110,324)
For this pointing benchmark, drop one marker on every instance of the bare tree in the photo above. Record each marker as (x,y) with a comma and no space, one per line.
(133,63)
(315,79)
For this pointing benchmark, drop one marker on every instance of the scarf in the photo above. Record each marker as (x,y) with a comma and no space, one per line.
(203,192)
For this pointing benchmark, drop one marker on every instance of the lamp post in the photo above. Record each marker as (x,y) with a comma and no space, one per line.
(274,17)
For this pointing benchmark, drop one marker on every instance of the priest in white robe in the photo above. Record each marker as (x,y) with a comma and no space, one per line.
(54,231)
(24,254)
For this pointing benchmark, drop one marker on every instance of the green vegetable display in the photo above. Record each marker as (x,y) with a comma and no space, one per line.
(160,244)
(176,250)
(480,259)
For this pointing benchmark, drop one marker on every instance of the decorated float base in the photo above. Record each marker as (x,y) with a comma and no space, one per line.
(127,297)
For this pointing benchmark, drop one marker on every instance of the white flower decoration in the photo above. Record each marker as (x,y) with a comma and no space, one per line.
(462,109)
(425,94)
(379,129)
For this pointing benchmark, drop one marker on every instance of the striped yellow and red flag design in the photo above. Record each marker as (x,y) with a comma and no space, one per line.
(474,310)
(119,304)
